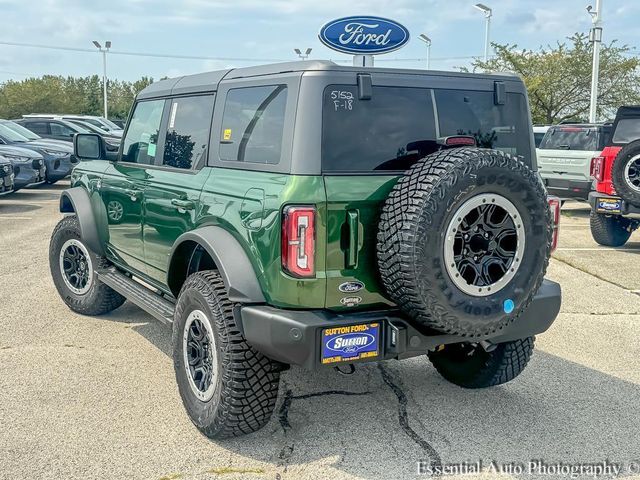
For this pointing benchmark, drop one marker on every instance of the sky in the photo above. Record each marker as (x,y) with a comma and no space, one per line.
(232,33)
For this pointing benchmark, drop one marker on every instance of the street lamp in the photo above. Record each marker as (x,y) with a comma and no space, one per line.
(487,14)
(105,50)
(427,41)
(305,55)
(595,37)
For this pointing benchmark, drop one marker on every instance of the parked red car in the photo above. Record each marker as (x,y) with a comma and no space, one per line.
(615,203)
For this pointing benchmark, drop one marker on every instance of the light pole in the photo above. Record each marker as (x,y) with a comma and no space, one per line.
(105,50)
(427,41)
(595,37)
(305,55)
(487,14)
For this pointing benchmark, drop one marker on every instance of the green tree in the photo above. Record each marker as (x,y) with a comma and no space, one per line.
(558,79)
(56,94)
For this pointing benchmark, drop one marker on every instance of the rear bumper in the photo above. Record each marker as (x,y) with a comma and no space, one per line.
(626,209)
(578,189)
(294,337)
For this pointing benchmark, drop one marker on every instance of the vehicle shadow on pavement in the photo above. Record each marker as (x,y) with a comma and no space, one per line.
(384,419)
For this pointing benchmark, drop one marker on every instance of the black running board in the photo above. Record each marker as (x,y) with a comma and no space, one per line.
(145,298)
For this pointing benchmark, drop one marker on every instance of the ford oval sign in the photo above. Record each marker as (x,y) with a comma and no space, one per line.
(364,35)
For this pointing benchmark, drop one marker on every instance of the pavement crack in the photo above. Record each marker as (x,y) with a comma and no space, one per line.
(403,418)
(283,411)
(584,270)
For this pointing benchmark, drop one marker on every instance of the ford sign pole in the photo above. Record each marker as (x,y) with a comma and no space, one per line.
(364,37)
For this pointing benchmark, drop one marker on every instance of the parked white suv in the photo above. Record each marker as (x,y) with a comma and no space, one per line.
(564,157)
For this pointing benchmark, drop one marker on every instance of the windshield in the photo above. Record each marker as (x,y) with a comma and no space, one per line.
(399,125)
(11,135)
(87,126)
(19,129)
(571,138)
(110,124)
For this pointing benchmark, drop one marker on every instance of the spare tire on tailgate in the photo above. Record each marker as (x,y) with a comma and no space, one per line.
(464,240)
(625,173)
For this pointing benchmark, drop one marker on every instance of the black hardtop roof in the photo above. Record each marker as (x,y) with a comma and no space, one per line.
(628,111)
(208,82)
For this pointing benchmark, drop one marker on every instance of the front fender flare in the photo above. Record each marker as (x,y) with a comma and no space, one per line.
(76,200)
(231,260)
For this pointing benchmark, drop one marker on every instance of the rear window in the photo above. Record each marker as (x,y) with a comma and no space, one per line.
(398,125)
(627,130)
(572,138)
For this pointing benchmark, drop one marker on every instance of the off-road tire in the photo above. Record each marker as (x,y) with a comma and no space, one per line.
(618,173)
(610,230)
(100,298)
(247,382)
(482,369)
(411,239)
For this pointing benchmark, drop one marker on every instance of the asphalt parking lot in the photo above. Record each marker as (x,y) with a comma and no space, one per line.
(85,397)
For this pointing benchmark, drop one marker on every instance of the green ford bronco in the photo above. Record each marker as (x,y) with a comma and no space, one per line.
(316,215)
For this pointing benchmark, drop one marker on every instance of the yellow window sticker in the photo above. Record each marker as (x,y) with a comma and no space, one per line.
(227,134)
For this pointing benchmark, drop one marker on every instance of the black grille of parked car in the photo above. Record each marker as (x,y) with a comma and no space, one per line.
(37,163)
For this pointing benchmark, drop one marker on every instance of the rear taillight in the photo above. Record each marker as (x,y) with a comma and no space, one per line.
(597,168)
(554,206)
(299,241)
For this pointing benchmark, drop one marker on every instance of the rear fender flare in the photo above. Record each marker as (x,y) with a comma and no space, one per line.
(77,200)
(230,259)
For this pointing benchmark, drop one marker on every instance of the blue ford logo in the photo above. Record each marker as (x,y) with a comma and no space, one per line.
(351,287)
(350,342)
(364,35)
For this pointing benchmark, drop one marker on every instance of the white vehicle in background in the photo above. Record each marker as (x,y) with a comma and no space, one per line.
(538,133)
(564,158)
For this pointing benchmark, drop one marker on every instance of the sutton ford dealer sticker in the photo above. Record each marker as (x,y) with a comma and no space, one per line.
(348,344)
(609,205)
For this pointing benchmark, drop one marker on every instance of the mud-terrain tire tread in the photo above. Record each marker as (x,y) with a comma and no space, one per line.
(609,230)
(502,365)
(101,298)
(249,381)
(400,222)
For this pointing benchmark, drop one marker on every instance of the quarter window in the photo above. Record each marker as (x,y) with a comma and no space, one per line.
(253,124)
(60,130)
(188,132)
(141,140)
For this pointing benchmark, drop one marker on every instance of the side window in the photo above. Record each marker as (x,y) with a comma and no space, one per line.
(38,127)
(141,140)
(188,132)
(253,124)
(60,130)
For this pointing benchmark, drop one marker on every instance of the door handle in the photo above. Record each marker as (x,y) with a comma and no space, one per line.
(133,194)
(352,249)
(182,205)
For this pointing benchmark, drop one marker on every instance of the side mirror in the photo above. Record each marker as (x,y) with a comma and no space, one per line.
(88,146)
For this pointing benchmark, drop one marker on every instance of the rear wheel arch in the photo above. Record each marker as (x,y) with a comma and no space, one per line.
(213,248)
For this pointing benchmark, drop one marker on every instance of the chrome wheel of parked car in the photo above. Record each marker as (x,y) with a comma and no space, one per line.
(484,244)
(200,355)
(76,266)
